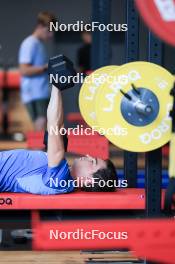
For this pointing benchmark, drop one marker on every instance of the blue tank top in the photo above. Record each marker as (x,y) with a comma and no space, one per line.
(27,171)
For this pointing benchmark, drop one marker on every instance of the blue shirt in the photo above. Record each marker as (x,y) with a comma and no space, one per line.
(32,51)
(27,171)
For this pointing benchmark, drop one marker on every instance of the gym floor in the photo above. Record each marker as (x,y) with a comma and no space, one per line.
(70,257)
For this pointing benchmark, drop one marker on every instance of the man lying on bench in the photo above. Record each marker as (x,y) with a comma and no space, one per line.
(44,173)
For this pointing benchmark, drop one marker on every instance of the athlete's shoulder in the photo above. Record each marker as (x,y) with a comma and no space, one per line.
(30,43)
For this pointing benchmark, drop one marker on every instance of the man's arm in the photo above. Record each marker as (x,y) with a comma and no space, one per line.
(29,70)
(54,123)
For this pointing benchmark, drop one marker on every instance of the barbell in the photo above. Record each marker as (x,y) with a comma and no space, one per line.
(129,104)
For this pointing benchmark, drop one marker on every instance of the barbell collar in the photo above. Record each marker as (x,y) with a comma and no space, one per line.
(142,108)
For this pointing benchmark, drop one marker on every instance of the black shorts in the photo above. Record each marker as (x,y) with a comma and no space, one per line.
(37,108)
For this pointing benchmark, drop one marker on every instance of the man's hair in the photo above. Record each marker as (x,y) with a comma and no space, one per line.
(107,176)
(44,18)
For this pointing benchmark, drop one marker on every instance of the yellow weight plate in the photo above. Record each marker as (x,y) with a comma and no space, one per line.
(91,85)
(133,109)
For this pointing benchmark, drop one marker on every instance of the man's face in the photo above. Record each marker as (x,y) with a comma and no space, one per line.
(86,37)
(45,34)
(83,168)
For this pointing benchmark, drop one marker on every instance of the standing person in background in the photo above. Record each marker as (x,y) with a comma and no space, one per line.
(33,68)
(84,52)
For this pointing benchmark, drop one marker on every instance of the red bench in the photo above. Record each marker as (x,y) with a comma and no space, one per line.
(10,79)
(75,118)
